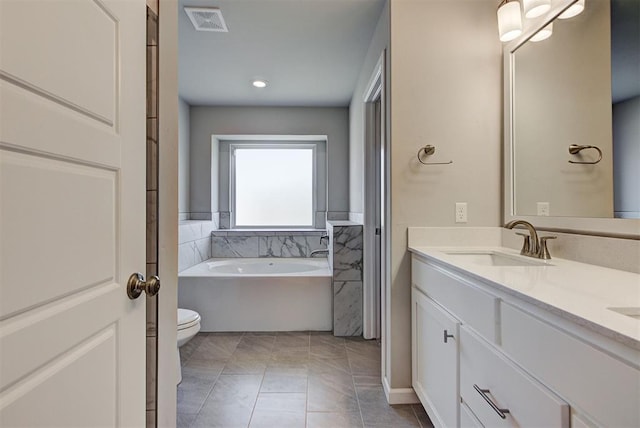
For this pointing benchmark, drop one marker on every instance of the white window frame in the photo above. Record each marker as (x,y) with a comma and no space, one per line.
(275,145)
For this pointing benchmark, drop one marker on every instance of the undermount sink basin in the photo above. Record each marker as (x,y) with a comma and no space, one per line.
(493,258)
(629,311)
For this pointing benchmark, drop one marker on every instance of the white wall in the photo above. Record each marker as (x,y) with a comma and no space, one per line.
(446,90)
(183,158)
(208,121)
(626,141)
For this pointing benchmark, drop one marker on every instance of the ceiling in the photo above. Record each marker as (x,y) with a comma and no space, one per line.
(309,51)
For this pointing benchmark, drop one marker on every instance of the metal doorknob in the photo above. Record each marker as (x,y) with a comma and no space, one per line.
(136,285)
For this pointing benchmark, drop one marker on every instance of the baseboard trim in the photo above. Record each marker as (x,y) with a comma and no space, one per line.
(399,395)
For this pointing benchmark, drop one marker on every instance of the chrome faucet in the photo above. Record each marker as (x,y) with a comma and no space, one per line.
(531,246)
(320,251)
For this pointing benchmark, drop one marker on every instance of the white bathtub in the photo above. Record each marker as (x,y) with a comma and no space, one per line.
(263,294)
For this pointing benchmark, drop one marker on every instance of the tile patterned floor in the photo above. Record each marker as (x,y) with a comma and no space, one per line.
(286,380)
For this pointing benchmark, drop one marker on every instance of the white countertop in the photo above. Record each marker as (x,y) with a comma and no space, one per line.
(576,291)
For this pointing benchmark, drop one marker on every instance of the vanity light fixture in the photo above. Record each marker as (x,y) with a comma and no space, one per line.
(543,34)
(535,8)
(573,10)
(509,20)
(259,83)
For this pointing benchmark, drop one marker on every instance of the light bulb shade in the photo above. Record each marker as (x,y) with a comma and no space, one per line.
(509,20)
(543,34)
(573,10)
(534,8)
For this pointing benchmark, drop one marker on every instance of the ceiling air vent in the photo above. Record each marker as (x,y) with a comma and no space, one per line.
(206,19)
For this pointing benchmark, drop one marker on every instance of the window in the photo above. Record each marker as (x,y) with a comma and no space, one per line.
(273,185)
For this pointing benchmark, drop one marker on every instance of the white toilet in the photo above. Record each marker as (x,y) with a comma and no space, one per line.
(188,326)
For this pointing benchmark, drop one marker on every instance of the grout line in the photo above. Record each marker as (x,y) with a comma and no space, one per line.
(256,402)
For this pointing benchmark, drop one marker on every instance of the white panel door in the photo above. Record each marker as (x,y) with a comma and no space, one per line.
(72,212)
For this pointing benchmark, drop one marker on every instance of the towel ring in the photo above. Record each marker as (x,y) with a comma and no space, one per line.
(428,150)
(575,149)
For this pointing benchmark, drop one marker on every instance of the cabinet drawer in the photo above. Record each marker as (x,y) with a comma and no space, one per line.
(471,305)
(599,385)
(528,402)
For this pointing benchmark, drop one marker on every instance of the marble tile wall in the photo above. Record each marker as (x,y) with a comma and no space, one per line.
(346,262)
(347,308)
(256,243)
(345,241)
(194,242)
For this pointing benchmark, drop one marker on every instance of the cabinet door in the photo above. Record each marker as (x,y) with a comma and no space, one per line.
(435,360)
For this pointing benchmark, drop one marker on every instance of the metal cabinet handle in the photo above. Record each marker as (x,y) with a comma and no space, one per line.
(447,336)
(136,285)
(484,392)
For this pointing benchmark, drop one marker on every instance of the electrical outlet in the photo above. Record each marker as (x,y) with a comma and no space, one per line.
(461,212)
(543,209)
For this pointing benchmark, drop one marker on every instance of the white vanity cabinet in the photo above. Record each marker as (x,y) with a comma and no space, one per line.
(511,364)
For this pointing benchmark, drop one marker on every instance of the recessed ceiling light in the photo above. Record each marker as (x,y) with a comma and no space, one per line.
(260,83)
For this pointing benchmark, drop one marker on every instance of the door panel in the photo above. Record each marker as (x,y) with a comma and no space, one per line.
(72,212)
(78,39)
(37,401)
(63,203)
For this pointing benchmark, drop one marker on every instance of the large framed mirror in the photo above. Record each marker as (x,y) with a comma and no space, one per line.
(572,120)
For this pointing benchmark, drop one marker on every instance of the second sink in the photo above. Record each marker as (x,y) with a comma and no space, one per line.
(493,258)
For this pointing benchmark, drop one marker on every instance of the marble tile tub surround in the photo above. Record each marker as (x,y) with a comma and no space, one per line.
(194,242)
(266,243)
(347,308)
(346,262)
(346,245)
